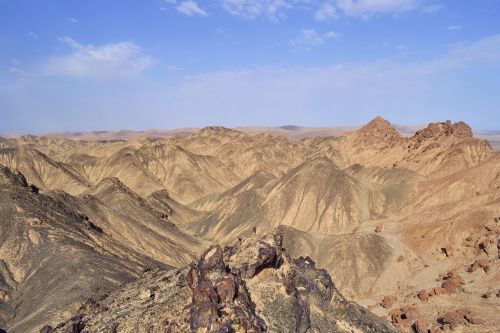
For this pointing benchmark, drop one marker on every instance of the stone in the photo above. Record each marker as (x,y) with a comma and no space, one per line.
(403,316)
(75,327)
(387,301)
(483,263)
(423,295)
(455,318)
(421,326)
(436,291)
(46,329)
(226,288)
(301,315)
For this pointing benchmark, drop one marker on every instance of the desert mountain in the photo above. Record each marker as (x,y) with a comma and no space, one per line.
(406,225)
(49,243)
(315,196)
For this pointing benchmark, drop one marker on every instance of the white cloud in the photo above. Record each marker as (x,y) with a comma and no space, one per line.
(325,12)
(174,68)
(172,2)
(73,20)
(16,61)
(251,9)
(309,37)
(368,8)
(454,28)
(17,70)
(191,8)
(433,9)
(33,35)
(109,61)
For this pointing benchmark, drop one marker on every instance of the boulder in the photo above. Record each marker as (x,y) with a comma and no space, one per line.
(423,295)
(387,301)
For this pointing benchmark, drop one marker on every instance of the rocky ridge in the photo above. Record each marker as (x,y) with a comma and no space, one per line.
(252,286)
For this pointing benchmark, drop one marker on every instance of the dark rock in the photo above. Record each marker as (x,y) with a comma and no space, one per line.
(74,327)
(301,316)
(226,288)
(46,329)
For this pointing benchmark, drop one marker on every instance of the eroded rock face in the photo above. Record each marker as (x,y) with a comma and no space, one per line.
(220,299)
(459,130)
(252,286)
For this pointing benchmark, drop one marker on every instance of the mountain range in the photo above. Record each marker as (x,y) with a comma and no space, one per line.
(288,229)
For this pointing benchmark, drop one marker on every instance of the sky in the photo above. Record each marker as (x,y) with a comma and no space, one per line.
(68,65)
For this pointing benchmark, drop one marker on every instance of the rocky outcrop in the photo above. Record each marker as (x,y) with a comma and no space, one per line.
(434,130)
(252,286)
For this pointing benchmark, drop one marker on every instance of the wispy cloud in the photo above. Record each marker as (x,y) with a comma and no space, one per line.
(174,68)
(250,9)
(326,12)
(309,37)
(433,8)
(191,8)
(19,71)
(323,10)
(33,35)
(368,8)
(454,28)
(108,61)
(73,20)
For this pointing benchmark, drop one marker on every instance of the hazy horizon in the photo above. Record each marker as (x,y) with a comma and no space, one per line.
(407,127)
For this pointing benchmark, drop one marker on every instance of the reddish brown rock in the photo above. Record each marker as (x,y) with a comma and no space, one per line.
(387,301)
(226,288)
(421,326)
(436,291)
(433,130)
(453,319)
(452,280)
(480,263)
(423,295)
(403,316)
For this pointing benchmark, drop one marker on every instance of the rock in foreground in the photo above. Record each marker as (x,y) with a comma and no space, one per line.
(252,286)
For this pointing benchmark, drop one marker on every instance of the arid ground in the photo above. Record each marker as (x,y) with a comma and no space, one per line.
(380,228)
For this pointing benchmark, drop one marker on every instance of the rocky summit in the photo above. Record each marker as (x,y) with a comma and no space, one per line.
(288,229)
(252,286)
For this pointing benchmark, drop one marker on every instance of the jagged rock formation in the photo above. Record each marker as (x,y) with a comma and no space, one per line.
(252,286)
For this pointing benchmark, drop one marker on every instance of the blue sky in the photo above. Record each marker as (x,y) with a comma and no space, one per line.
(139,64)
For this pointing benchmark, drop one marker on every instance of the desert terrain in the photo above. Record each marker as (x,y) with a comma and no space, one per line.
(379,228)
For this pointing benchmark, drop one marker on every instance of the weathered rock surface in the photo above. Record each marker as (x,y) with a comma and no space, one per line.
(252,286)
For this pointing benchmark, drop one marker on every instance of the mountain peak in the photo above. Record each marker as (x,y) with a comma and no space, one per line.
(378,130)
(378,123)
(433,130)
(217,130)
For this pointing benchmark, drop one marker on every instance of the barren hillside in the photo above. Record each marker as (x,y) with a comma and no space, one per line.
(407,226)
